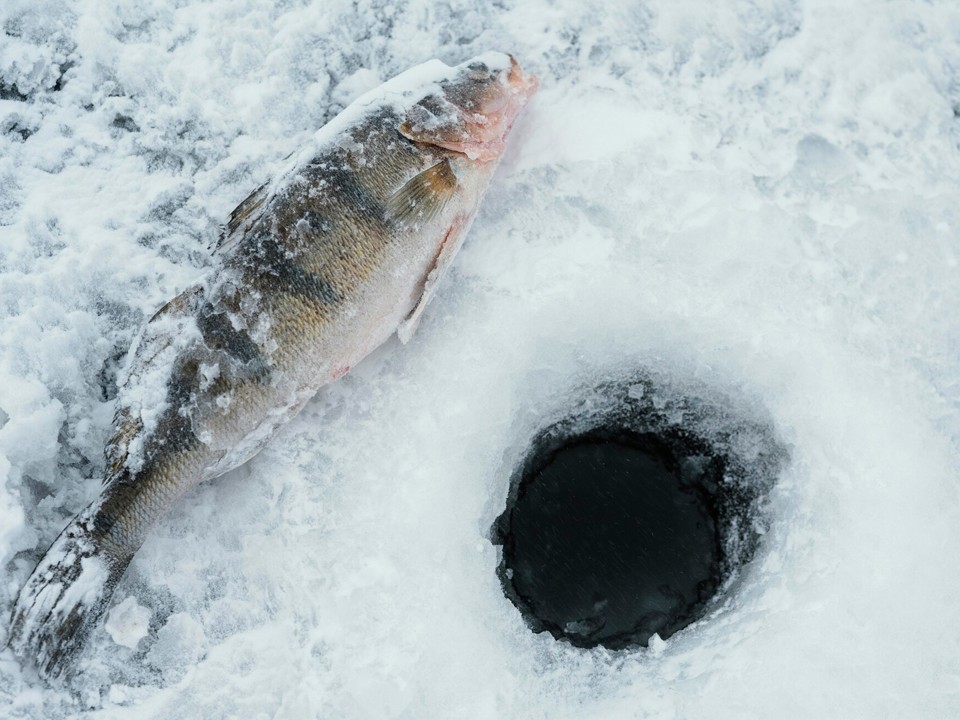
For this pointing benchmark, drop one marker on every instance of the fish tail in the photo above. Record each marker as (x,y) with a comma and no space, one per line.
(66,595)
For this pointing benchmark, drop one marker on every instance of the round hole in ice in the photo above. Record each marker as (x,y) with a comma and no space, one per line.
(631,516)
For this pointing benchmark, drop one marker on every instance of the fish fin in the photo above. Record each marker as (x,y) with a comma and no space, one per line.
(127,427)
(424,195)
(167,323)
(448,250)
(241,215)
(64,598)
(183,304)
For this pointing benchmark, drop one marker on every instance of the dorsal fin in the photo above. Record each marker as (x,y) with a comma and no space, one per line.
(183,304)
(424,195)
(242,214)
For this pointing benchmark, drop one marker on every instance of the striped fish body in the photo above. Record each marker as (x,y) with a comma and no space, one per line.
(313,271)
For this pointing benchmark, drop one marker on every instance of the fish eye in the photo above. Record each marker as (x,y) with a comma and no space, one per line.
(478,71)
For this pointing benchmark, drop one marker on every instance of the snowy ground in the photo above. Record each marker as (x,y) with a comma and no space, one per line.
(756,198)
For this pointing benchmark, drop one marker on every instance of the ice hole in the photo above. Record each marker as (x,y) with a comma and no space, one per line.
(631,516)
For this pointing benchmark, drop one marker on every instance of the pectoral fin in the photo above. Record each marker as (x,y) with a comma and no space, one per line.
(423,196)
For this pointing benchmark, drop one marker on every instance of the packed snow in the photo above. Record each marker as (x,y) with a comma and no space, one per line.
(755,200)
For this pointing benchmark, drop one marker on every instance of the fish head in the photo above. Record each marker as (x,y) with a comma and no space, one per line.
(471,111)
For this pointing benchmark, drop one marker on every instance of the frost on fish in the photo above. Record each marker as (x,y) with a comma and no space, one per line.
(313,271)
(65,595)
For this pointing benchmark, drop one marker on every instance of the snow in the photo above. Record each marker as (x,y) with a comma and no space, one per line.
(754,201)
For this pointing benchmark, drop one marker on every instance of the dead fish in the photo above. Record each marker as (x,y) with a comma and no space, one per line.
(313,271)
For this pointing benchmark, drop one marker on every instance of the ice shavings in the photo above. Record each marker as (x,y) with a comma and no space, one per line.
(181,642)
(11,511)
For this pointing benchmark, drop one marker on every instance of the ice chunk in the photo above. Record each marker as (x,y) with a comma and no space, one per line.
(127,623)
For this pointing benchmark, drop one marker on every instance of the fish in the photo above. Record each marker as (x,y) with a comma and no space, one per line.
(312,271)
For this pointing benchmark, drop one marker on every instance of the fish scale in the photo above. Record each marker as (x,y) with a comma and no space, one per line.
(313,271)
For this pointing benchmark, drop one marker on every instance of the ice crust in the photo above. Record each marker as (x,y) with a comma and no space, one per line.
(756,198)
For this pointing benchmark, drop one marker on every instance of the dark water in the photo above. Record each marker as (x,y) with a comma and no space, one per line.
(612,537)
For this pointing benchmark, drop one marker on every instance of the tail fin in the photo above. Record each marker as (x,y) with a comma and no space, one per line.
(65,596)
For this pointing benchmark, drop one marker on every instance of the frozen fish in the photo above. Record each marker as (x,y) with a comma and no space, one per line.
(313,271)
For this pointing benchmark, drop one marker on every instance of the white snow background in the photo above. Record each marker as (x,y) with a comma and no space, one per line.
(756,198)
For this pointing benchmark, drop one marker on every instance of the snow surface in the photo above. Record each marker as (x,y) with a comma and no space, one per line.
(759,198)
